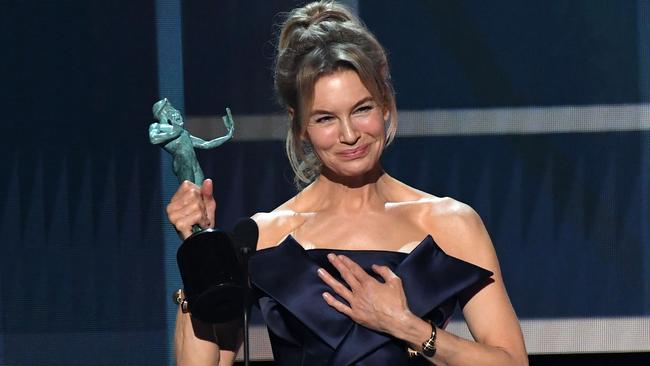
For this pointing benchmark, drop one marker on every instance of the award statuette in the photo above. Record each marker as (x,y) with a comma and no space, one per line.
(212,276)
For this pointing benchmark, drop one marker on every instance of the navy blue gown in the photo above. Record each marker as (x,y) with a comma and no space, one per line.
(305,331)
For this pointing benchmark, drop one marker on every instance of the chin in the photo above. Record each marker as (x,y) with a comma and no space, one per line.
(352,170)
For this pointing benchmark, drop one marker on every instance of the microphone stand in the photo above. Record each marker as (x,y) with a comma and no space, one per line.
(245,253)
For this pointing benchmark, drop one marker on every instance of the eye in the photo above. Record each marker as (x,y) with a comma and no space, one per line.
(364,108)
(323,119)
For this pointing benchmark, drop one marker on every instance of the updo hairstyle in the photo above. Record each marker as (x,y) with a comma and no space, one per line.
(316,40)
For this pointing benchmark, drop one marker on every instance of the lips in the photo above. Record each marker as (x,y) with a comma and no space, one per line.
(357,152)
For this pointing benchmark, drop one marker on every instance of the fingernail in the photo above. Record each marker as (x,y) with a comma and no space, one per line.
(331,257)
(320,271)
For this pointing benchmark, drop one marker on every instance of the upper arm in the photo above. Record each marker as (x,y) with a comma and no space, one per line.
(489,314)
(160,132)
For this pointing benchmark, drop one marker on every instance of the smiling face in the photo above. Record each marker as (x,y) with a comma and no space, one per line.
(346,125)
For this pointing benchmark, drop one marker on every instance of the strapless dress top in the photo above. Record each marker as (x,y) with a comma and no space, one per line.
(305,331)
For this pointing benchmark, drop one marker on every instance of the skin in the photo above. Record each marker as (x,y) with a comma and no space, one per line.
(346,129)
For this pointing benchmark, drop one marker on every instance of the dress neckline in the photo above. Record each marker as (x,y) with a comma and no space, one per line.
(291,239)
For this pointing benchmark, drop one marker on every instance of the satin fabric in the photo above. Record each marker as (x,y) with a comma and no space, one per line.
(305,331)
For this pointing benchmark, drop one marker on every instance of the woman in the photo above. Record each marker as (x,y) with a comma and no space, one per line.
(343,272)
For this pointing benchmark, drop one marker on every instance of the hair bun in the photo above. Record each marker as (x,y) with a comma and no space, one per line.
(312,20)
(328,11)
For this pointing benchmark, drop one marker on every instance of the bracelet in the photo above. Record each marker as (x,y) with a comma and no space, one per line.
(429,346)
(178,297)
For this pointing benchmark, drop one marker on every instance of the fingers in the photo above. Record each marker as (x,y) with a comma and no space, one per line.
(344,271)
(206,189)
(386,273)
(353,274)
(208,200)
(337,286)
(358,272)
(187,208)
(336,304)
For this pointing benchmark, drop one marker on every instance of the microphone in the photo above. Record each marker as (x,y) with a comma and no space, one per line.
(245,236)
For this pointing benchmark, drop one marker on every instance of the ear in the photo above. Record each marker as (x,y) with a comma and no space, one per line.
(386,114)
(304,135)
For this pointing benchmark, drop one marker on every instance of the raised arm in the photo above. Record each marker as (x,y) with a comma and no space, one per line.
(195,342)
(230,127)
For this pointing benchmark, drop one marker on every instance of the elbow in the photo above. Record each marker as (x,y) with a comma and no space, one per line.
(521,361)
(511,356)
(515,358)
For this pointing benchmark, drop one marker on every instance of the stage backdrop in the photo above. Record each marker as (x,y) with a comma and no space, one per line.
(537,115)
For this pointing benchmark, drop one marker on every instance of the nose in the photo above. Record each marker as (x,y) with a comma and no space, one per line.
(348,132)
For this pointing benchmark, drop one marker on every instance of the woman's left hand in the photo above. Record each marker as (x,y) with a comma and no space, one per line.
(375,305)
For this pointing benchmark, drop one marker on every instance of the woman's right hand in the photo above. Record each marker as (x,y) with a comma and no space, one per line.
(192,205)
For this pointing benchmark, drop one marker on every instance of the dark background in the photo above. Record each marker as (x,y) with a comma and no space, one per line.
(82,256)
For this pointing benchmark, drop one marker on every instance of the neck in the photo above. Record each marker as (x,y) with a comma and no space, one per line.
(351,194)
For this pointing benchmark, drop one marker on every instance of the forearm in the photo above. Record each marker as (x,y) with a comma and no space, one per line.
(452,350)
(198,343)
(202,144)
(194,342)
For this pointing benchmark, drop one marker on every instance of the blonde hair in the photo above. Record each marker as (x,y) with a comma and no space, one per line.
(319,39)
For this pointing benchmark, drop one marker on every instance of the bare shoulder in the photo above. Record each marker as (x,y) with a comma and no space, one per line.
(455,226)
(276,225)
(458,229)
(453,214)
(273,227)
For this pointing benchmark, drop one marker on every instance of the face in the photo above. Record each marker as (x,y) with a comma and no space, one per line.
(346,125)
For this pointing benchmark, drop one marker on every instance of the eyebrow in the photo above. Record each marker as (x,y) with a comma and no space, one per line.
(360,102)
